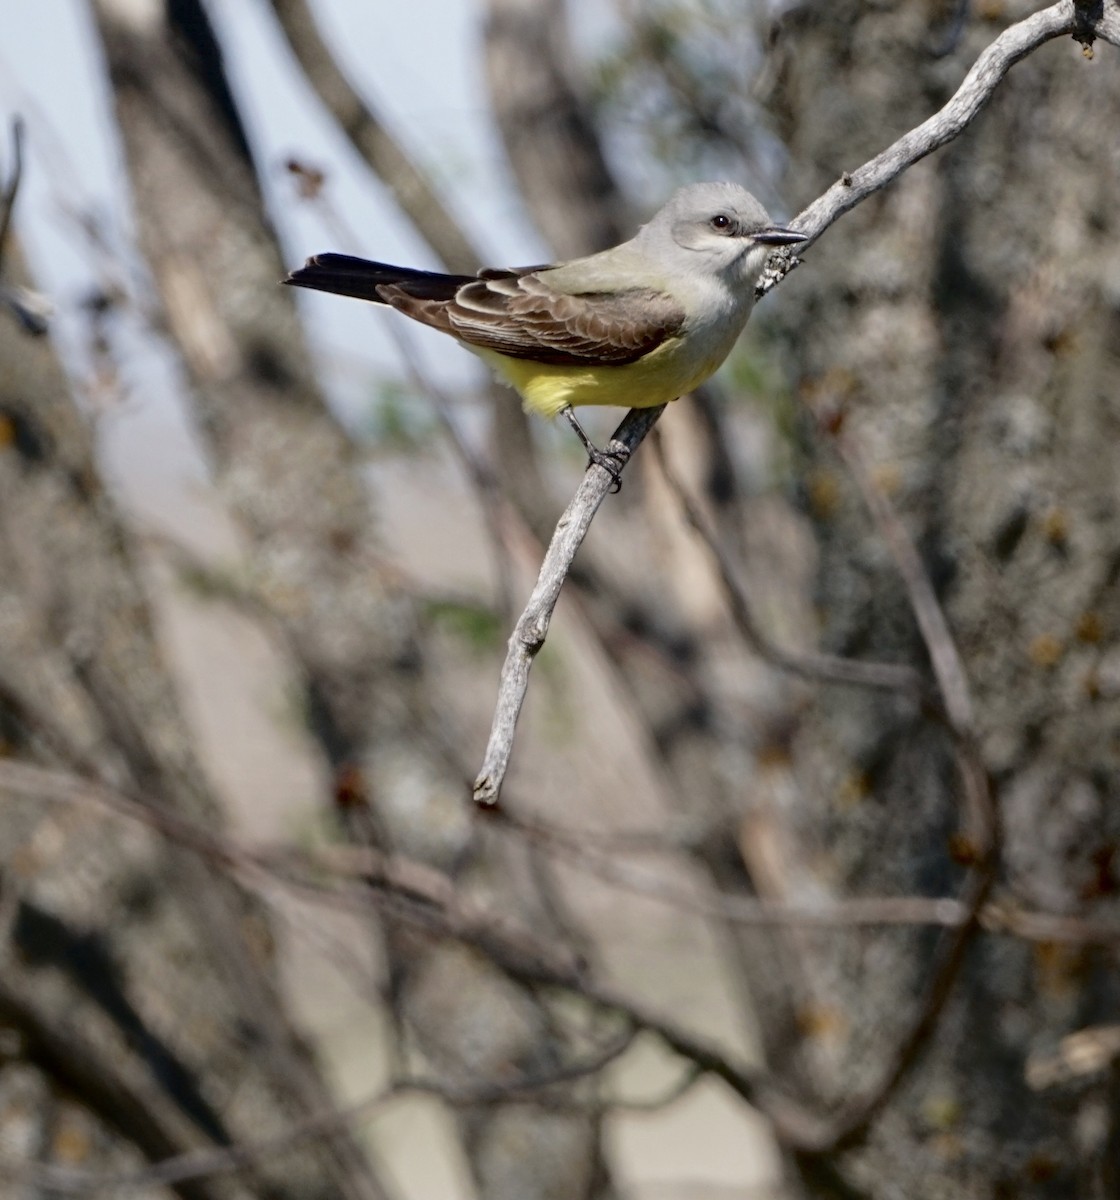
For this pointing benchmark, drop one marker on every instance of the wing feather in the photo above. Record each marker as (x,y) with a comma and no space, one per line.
(513,312)
(517,314)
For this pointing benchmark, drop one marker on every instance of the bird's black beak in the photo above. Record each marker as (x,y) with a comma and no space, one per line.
(778,235)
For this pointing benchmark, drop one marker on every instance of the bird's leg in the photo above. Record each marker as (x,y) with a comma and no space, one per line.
(611,463)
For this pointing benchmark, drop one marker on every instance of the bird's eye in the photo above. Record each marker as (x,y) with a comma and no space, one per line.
(720,222)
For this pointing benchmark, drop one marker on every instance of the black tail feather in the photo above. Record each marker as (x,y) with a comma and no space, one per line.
(359,277)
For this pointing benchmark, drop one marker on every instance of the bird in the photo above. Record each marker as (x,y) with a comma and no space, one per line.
(635,326)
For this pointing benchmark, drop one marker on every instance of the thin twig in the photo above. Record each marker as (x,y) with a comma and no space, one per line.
(849,1125)
(817,668)
(532,627)
(201,1164)
(943,655)
(1083,19)
(584,853)
(314,874)
(11,187)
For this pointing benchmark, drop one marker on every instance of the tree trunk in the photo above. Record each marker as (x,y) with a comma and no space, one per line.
(962,326)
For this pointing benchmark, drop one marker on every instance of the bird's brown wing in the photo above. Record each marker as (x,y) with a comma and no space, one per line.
(512,312)
(516,313)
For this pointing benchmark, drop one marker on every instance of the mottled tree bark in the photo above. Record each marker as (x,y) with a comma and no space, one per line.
(963,326)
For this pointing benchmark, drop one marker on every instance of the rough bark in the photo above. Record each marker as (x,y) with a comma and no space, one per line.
(963,326)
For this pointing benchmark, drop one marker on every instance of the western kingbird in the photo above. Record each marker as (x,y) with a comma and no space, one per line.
(634,326)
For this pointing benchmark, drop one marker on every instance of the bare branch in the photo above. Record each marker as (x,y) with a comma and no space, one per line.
(597,853)
(308,873)
(1082,19)
(411,188)
(818,668)
(585,853)
(192,1165)
(111,1085)
(426,898)
(532,627)
(943,654)
(11,188)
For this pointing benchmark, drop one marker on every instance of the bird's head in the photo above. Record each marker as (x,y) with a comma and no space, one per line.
(722,225)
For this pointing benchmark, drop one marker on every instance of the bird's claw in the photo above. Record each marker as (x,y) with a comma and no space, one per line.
(611,462)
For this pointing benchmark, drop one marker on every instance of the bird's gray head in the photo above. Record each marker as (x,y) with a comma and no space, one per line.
(723,223)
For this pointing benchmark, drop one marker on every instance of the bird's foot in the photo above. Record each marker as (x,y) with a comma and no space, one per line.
(611,461)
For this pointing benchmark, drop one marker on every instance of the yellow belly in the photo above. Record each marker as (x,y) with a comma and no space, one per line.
(668,372)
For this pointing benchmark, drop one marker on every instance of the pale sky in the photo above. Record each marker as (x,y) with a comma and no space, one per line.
(423,74)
